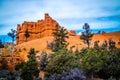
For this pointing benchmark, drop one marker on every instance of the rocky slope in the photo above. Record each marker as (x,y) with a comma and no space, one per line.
(41,34)
(41,44)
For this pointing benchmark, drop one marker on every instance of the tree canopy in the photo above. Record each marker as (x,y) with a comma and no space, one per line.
(60,36)
(12,34)
(86,35)
(30,70)
(64,60)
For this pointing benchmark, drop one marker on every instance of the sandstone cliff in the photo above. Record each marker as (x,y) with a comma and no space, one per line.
(41,34)
(41,44)
(38,29)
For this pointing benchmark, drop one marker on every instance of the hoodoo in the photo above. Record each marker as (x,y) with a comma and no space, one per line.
(38,29)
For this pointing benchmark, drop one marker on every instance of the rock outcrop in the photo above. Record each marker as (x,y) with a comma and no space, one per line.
(36,30)
(72,33)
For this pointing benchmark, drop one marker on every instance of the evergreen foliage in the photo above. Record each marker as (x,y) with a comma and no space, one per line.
(99,32)
(111,66)
(111,44)
(60,36)
(30,70)
(26,34)
(64,60)
(103,63)
(104,45)
(91,62)
(81,53)
(12,34)
(86,35)
(19,66)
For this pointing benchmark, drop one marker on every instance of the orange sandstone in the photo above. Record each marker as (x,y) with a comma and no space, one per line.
(38,29)
(41,34)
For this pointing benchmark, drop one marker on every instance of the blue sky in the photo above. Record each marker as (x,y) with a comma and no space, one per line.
(71,14)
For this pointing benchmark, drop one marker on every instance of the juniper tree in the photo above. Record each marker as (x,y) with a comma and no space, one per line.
(111,44)
(64,60)
(26,34)
(12,34)
(96,45)
(60,36)
(86,35)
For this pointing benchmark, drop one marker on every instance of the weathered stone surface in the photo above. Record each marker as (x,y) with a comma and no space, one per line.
(72,33)
(38,29)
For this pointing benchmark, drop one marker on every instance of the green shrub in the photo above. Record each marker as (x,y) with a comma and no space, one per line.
(61,61)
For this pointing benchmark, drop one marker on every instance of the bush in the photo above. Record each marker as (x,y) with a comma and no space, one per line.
(9,75)
(43,61)
(101,63)
(30,68)
(91,62)
(81,53)
(73,74)
(61,61)
(111,66)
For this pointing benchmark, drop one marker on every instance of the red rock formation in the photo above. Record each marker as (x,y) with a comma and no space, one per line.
(38,29)
(72,33)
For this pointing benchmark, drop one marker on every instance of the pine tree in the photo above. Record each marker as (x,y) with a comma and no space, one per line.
(26,34)
(86,35)
(30,69)
(1,45)
(60,36)
(12,34)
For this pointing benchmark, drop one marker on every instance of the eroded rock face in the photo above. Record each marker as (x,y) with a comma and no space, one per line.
(36,30)
(72,33)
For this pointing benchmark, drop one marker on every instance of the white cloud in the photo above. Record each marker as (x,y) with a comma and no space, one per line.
(78,8)
(16,12)
(6,29)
